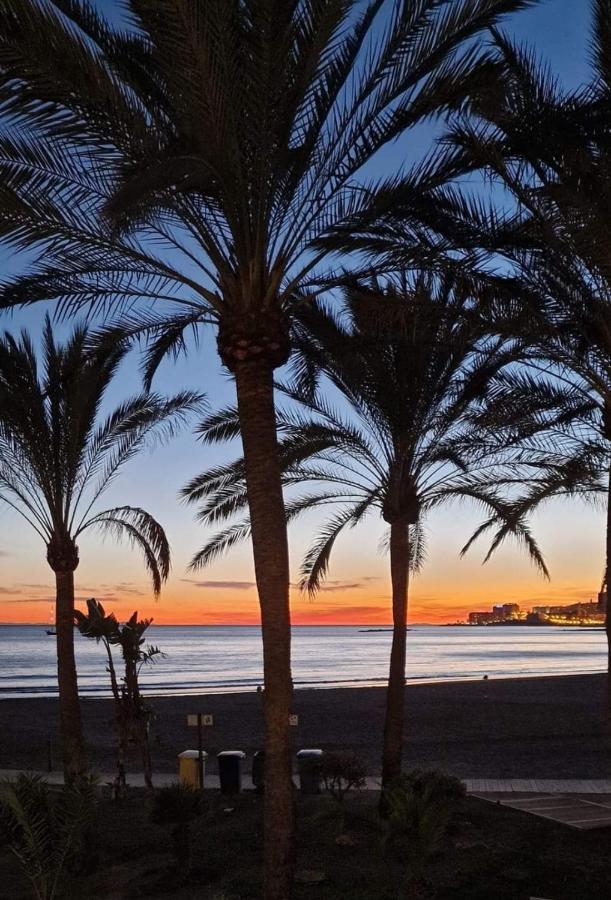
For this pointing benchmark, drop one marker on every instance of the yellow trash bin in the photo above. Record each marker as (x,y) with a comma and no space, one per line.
(188,767)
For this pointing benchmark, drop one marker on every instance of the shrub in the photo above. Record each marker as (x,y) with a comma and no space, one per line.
(439,785)
(178,805)
(49,835)
(419,808)
(341,773)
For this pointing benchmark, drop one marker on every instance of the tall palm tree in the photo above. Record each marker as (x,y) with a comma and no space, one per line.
(552,149)
(413,359)
(200,159)
(56,460)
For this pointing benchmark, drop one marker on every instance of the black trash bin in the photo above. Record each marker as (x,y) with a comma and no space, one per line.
(258,770)
(230,770)
(309,764)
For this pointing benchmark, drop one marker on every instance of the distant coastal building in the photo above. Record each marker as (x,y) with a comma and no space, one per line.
(505,612)
(480,618)
(590,613)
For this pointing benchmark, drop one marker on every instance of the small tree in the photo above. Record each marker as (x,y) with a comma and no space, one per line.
(341,773)
(132,713)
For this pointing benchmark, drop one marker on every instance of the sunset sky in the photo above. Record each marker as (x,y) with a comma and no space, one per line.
(358,587)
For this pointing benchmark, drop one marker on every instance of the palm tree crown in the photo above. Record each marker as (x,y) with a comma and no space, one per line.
(203,157)
(414,359)
(57,459)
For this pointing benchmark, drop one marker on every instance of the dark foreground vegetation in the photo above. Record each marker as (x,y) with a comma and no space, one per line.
(489,852)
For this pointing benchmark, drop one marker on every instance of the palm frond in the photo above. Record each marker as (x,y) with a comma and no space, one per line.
(142,531)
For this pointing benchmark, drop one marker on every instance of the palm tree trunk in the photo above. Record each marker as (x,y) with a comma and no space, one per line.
(606,585)
(254,385)
(395,696)
(69,707)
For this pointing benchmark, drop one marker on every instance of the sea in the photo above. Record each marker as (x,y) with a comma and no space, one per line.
(222,659)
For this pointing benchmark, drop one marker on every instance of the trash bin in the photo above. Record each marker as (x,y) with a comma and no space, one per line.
(188,767)
(258,770)
(230,770)
(309,764)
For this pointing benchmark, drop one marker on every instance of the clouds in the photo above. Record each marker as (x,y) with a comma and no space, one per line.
(330,586)
(4,590)
(33,587)
(327,586)
(103,598)
(46,600)
(124,587)
(222,585)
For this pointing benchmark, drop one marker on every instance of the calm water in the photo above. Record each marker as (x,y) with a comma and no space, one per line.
(216,659)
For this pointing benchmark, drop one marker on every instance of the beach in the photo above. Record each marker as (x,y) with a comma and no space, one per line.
(550,727)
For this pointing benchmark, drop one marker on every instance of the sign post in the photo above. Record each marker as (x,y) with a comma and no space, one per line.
(200,720)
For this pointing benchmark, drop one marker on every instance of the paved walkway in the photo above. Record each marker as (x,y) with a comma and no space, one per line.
(567,809)
(473,785)
(538,785)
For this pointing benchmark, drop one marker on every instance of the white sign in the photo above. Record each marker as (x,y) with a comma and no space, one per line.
(206,720)
(293,719)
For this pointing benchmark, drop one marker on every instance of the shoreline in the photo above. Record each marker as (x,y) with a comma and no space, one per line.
(549,726)
(348,685)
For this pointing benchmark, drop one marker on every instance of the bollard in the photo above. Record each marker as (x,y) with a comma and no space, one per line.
(258,770)
(188,767)
(309,764)
(230,770)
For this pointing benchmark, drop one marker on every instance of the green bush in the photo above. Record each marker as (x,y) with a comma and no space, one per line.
(178,805)
(48,833)
(438,784)
(419,810)
(342,772)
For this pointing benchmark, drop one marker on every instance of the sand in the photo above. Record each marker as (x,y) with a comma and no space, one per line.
(513,728)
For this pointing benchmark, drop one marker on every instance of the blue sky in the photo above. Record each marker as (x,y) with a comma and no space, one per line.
(571,536)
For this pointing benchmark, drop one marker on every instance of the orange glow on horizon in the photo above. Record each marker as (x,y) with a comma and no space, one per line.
(336,606)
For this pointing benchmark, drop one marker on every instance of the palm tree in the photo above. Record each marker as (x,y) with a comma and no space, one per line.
(561,422)
(200,159)
(413,359)
(57,459)
(551,148)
